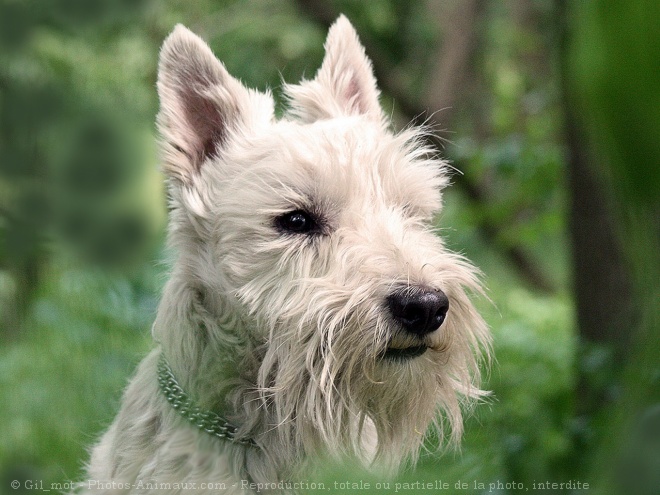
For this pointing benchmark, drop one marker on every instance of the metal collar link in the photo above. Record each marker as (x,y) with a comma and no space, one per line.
(208,421)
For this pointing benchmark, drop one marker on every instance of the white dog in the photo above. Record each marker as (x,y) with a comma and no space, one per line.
(312,313)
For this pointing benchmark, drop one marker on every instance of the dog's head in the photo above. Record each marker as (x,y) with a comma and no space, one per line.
(312,238)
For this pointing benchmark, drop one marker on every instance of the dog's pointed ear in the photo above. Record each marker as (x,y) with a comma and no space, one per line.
(200,104)
(345,83)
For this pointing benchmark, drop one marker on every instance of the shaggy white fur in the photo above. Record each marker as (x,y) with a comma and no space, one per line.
(290,236)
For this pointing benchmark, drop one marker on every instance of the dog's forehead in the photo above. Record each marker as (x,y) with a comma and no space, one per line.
(345,159)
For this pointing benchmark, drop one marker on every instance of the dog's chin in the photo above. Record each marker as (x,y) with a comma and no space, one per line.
(400,354)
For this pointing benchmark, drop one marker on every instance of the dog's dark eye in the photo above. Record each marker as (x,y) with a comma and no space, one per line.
(299,222)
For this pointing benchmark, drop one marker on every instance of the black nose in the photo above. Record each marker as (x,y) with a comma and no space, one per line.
(419,310)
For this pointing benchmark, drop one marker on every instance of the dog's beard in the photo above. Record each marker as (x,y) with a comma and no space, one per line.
(327,384)
(324,383)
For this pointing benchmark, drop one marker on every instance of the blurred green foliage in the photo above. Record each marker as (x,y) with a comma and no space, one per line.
(613,65)
(82,210)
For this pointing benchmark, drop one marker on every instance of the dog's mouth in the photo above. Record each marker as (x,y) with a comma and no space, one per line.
(405,353)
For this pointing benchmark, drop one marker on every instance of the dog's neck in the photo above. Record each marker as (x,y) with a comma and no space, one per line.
(199,335)
(202,346)
(210,422)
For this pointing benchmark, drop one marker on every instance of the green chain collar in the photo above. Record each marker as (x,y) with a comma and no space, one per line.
(208,421)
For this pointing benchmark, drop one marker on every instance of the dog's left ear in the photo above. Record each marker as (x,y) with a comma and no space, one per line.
(345,83)
(201,105)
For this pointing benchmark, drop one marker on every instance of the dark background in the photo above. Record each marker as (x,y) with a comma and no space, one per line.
(549,108)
